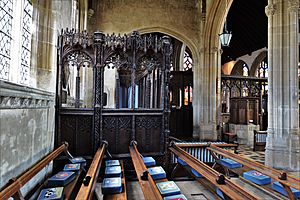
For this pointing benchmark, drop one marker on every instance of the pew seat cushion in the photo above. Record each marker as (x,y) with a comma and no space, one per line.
(73,168)
(113,171)
(168,188)
(196,174)
(257,177)
(231,164)
(176,197)
(111,185)
(220,194)
(61,179)
(80,160)
(182,162)
(157,172)
(55,193)
(279,188)
(149,161)
(109,163)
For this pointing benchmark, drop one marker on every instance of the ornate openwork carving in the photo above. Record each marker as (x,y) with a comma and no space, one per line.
(140,57)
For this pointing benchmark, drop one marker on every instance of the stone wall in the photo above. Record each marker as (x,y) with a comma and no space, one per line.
(27,130)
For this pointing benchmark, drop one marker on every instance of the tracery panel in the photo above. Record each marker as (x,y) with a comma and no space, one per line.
(26,42)
(6,17)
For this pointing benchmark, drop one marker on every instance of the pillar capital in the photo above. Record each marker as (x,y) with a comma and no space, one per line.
(270,10)
(294,6)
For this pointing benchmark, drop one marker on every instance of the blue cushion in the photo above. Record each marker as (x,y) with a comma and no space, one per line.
(72,167)
(111,185)
(195,173)
(231,164)
(51,194)
(176,197)
(113,171)
(149,161)
(80,160)
(157,172)
(168,188)
(110,163)
(220,193)
(279,188)
(257,177)
(61,179)
(181,162)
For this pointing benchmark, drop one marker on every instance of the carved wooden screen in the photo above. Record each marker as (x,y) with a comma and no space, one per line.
(131,104)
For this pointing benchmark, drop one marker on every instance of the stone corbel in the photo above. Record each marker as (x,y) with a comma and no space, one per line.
(270,10)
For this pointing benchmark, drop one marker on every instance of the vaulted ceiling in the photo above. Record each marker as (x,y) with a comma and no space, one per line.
(249,26)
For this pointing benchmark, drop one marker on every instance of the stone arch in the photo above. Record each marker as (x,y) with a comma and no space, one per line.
(261,56)
(191,45)
(237,69)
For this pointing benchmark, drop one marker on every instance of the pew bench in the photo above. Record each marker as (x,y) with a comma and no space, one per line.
(13,188)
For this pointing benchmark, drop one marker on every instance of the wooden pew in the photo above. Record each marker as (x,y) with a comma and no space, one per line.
(13,189)
(287,181)
(87,188)
(228,188)
(147,184)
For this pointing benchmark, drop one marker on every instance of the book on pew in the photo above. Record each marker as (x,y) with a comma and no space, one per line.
(80,160)
(113,171)
(73,168)
(257,177)
(110,163)
(149,161)
(111,185)
(61,179)
(176,197)
(231,164)
(279,188)
(157,172)
(168,188)
(55,193)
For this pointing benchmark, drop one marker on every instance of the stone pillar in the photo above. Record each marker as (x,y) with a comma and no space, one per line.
(283,144)
(207,85)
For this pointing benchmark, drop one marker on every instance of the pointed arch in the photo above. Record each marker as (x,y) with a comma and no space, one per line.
(238,68)
(261,56)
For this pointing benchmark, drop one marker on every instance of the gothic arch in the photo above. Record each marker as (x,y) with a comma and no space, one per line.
(237,69)
(261,56)
(176,35)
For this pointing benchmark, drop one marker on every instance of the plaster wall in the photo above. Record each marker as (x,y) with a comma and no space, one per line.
(27,130)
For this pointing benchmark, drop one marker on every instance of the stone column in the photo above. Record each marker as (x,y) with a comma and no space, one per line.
(283,144)
(207,85)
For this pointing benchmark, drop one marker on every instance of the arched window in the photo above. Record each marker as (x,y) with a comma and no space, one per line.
(262,70)
(6,13)
(187,62)
(245,70)
(15,33)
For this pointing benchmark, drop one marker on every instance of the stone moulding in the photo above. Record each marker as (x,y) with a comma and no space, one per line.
(14,96)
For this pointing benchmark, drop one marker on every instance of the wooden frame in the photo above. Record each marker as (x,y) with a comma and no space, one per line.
(259,140)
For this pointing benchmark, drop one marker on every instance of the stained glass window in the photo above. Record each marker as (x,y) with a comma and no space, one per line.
(26,42)
(6,17)
(187,61)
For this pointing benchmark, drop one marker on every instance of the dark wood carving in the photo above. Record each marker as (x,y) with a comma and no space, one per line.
(142,61)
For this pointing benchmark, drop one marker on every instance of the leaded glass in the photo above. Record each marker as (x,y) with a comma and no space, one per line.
(26,42)
(187,61)
(6,12)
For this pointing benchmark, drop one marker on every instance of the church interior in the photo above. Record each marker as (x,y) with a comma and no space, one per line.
(149,99)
